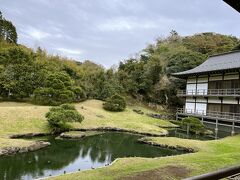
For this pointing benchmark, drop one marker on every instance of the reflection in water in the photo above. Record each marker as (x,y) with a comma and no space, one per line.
(69,156)
(183,134)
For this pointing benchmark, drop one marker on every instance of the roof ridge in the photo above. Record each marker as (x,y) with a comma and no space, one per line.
(219,62)
(220,54)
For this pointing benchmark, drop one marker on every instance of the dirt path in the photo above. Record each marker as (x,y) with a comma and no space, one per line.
(168,172)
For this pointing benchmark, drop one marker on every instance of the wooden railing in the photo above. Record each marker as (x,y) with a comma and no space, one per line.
(212,114)
(209,92)
(229,173)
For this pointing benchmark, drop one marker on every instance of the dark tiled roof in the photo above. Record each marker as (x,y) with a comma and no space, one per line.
(216,63)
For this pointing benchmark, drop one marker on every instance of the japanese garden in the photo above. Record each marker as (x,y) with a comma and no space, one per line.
(169,112)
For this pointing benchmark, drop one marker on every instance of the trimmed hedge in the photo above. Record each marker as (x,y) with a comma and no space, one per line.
(59,117)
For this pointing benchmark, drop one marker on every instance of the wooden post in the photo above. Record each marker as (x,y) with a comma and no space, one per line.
(188,129)
(233,128)
(216,129)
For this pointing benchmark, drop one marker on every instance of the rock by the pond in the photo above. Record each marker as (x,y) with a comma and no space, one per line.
(100,116)
(177,147)
(28,135)
(14,150)
(208,132)
(78,134)
(161,116)
(72,136)
(139,111)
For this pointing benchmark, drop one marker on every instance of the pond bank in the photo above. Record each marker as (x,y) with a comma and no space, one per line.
(148,141)
(115,129)
(28,135)
(11,150)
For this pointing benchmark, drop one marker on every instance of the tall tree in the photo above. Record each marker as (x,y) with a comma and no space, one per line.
(7,30)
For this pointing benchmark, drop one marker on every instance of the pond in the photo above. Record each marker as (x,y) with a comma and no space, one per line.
(179,133)
(73,155)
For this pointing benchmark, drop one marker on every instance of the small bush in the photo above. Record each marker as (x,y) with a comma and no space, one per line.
(194,123)
(115,103)
(59,117)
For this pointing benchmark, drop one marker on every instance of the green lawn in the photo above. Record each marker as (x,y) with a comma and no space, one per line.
(211,156)
(27,118)
(96,116)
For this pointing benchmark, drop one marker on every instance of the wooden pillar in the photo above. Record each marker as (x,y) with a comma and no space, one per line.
(233,128)
(216,129)
(196,83)
(188,129)
(195,106)
(221,98)
(207,92)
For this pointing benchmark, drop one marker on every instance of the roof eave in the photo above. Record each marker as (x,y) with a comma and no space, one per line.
(186,75)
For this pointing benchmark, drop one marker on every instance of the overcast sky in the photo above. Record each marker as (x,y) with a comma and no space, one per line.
(107,31)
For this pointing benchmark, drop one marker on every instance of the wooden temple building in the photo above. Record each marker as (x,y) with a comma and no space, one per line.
(213,91)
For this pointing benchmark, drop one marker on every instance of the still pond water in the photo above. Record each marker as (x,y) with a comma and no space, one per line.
(73,155)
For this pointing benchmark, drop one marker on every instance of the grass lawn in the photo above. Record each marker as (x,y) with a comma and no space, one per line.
(21,118)
(211,156)
(96,116)
(27,118)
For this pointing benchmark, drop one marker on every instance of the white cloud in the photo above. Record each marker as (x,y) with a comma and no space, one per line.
(34,33)
(122,24)
(110,30)
(69,51)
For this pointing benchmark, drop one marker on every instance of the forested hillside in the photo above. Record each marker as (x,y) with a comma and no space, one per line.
(36,76)
(148,77)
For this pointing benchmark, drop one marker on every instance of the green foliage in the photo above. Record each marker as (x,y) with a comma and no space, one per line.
(56,90)
(79,93)
(194,124)
(210,43)
(7,30)
(237,48)
(148,77)
(115,103)
(184,60)
(59,117)
(18,76)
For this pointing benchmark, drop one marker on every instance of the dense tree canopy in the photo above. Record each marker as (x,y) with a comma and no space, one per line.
(210,43)
(148,77)
(35,76)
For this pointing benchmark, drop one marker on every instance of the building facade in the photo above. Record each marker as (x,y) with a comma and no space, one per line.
(213,90)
